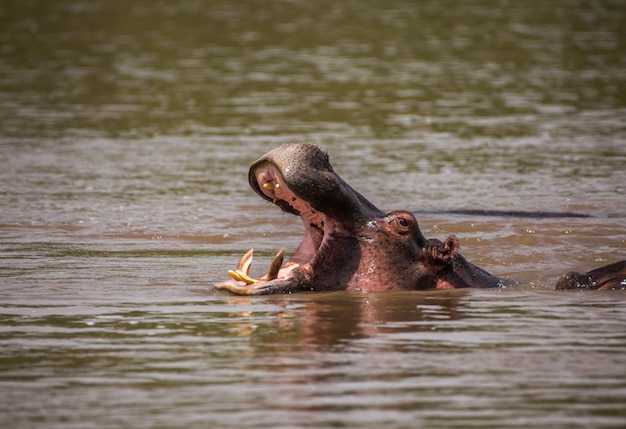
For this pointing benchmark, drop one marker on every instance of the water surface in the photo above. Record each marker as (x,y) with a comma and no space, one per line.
(126,132)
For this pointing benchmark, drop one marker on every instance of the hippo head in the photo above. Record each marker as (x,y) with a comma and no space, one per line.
(348,242)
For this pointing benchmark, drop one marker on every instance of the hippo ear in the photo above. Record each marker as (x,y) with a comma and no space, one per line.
(442,252)
(450,248)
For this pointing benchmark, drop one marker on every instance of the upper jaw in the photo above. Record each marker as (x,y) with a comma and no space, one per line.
(267,180)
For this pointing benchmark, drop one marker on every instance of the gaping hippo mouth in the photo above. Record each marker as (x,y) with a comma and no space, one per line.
(270,184)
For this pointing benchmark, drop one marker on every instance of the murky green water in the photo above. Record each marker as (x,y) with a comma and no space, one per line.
(126,131)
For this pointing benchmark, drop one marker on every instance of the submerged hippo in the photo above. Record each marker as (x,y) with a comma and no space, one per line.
(351,244)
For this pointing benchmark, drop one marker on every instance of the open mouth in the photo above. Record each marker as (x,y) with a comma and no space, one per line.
(268,182)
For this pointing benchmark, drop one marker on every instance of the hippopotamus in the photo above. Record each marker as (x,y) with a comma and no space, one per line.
(350,244)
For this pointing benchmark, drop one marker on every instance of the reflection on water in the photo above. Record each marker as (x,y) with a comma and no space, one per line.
(126,131)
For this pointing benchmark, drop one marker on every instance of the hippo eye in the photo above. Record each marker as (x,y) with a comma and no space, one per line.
(403,222)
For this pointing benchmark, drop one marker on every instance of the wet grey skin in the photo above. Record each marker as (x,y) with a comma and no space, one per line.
(350,244)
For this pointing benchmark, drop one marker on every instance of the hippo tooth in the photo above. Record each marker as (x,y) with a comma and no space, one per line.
(241,276)
(277,262)
(243,268)
(235,275)
(269,185)
(245,262)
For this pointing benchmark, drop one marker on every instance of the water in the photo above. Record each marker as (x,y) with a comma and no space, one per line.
(126,132)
